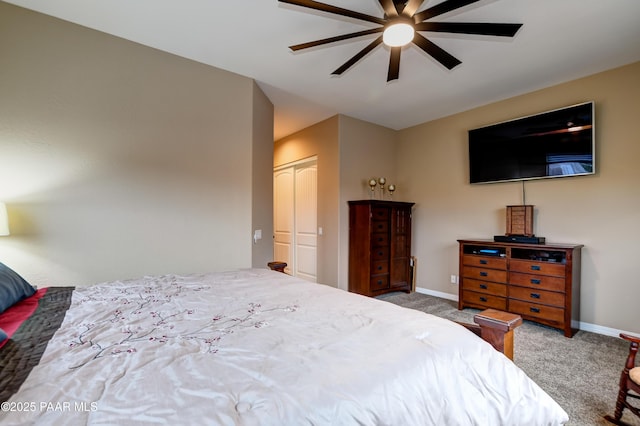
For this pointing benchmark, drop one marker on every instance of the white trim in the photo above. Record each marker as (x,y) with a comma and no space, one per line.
(599,329)
(584,326)
(296,163)
(441,295)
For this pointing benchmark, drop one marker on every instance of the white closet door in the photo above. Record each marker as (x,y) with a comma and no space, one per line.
(306,221)
(283,226)
(295,203)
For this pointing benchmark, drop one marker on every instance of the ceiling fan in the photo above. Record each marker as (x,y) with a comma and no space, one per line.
(400,26)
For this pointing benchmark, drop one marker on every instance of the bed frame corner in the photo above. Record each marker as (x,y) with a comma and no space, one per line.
(496,327)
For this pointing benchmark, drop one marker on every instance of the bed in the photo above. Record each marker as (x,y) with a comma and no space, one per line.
(258,347)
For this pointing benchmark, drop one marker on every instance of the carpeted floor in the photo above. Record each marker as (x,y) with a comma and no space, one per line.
(580,373)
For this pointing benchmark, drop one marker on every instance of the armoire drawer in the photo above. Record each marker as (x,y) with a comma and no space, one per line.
(379,267)
(380,253)
(379,240)
(380,213)
(379,282)
(379,226)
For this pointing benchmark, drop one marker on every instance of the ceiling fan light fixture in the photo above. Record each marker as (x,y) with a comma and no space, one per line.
(398,34)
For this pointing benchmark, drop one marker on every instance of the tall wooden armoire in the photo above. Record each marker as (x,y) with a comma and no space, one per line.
(379,247)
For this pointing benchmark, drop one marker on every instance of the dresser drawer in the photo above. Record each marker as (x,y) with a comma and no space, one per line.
(541,312)
(542,268)
(379,267)
(484,287)
(485,262)
(537,281)
(485,274)
(537,296)
(483,300)
(379,282)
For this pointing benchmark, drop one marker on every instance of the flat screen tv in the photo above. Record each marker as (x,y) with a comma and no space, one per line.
(555,143)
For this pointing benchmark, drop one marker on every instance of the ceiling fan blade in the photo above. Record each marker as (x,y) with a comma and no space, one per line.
(335,10)
(439,9)
(389,8)
(436,52)
(358,56)
(503,30)
(335,39)
(412,7)
(394,64)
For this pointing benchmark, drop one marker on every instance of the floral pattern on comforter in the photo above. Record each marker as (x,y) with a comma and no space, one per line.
(146,315)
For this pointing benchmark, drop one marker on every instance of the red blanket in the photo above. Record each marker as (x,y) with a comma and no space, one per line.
(12,318)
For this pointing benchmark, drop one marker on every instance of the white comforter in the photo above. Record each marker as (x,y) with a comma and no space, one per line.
(256,347)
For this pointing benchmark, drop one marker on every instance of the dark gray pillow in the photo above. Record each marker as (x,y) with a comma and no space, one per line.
(13,288)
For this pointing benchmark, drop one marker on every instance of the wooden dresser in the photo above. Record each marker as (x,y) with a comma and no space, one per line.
(379,247)
(540,282)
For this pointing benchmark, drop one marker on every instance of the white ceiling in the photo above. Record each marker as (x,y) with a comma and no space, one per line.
(560,40)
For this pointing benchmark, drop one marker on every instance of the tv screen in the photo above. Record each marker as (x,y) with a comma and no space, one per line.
(555,143)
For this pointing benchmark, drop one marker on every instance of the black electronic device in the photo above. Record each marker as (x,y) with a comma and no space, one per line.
(556,143)
(518,239)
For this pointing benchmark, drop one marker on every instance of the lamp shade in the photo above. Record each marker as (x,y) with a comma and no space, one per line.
(4,220)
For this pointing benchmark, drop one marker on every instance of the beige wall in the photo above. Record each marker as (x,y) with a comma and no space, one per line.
(599,211)
(320,140)
(262,182)
(119,160)
(366,151)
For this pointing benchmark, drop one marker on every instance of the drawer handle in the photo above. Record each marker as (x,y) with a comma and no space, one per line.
(380,253)
(535,295)
(483,286)
(379,281)
(536,310)
(379,268)
(483,262)
(483,274)
(535,281)
(535,267)
(483,299)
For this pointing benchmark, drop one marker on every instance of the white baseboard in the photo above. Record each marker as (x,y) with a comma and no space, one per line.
(584,326)
(439,294)
(599,329)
